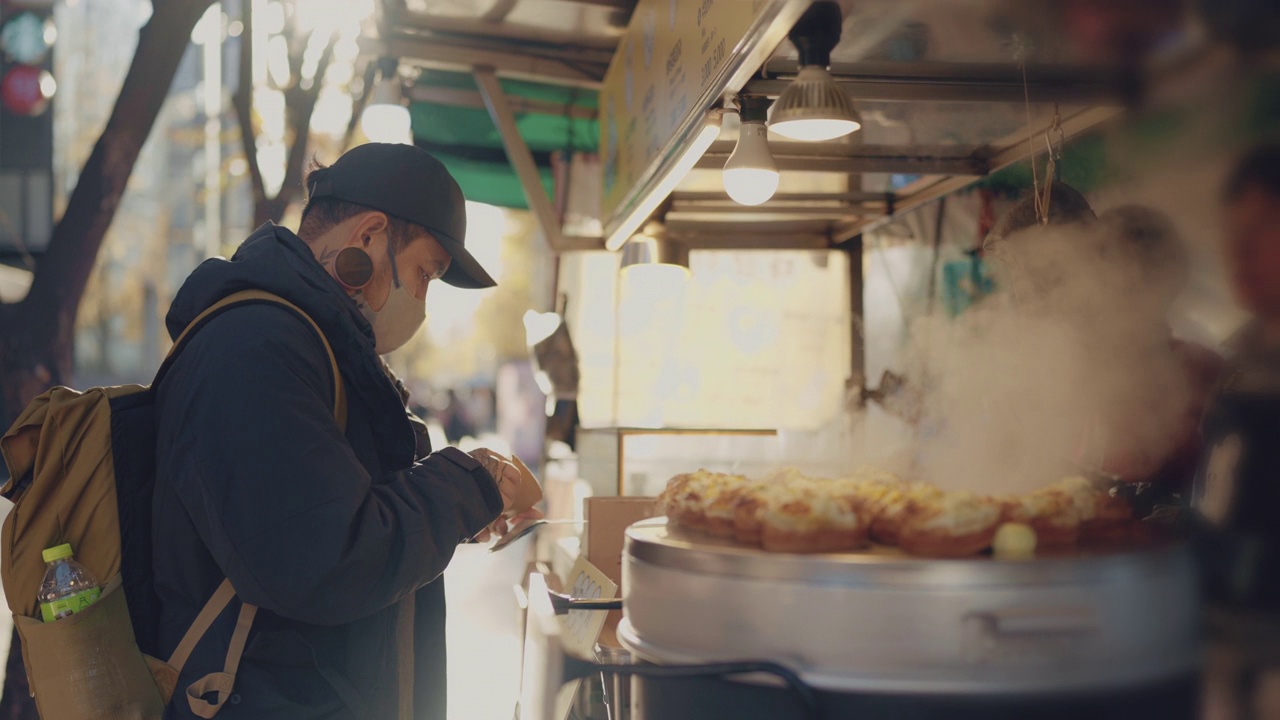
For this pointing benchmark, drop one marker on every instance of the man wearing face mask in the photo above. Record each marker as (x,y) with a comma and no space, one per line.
(339,537)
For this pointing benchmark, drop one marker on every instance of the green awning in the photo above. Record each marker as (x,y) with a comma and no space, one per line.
(467,142)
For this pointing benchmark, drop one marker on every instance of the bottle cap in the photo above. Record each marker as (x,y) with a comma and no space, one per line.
(57,553)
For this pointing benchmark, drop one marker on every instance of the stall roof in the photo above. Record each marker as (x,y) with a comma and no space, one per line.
(450,120)
(564,42)
(949,93)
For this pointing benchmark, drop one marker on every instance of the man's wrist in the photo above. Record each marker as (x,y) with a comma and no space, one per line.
(484,479)
(461,459)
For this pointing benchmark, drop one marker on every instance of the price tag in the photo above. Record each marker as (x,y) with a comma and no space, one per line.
(582,627)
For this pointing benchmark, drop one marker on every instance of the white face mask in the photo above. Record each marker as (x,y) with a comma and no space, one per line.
(401,316)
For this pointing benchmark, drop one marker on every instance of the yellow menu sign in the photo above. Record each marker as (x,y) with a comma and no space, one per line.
(671,52)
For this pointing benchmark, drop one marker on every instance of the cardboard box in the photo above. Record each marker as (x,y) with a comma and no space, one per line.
(607,519)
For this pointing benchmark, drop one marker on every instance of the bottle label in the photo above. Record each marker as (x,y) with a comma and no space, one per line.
(69,605)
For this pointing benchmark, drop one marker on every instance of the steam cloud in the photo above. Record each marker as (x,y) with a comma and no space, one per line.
(1068,364)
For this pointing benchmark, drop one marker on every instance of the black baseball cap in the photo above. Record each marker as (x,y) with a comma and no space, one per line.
(407,182)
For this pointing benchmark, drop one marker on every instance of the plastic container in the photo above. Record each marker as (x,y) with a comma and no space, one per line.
(68,587)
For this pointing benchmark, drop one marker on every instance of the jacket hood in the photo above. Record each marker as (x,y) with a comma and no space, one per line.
(276,260)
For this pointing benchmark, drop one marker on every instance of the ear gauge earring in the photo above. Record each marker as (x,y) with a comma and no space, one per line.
(353,267)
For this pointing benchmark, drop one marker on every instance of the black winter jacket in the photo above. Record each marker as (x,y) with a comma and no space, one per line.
(325,532)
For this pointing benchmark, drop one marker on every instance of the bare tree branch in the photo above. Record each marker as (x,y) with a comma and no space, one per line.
(60,278)
(300,105)
(304,102)
(297,53)
(357,109)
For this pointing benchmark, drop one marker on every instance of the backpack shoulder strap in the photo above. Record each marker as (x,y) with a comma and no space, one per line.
(221,684)
(251,297)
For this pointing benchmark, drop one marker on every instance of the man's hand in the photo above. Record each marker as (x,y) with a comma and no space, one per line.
(498,528)
(509,480)
(502,471)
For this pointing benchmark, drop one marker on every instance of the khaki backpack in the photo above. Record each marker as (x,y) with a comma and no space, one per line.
(81,471)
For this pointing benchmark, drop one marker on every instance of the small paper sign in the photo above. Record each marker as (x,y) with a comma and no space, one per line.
(582,627)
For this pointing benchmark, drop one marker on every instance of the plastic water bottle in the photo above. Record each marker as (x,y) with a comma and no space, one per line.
(68,587)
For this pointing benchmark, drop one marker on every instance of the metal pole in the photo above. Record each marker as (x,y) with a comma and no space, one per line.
(519,156)
(857,335)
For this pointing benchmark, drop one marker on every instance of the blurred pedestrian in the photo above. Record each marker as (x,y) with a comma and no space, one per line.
(1238,487)
(456,419)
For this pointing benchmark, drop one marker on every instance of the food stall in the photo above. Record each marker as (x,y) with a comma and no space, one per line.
(750,152)
(718,627)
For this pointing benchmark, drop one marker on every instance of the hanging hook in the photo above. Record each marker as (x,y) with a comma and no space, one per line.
(1053,171)
(1057,126)
(1020,54)
(1055,137)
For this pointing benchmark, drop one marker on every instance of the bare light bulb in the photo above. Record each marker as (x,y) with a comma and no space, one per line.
(751,176)
(385,119)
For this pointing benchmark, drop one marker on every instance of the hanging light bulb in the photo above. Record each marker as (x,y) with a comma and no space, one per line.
(751,176)
(813,108)
(385,117)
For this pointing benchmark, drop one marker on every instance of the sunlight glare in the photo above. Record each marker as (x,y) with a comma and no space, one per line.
(270,106)
(333,111)
(326,16)
(278,61)
(274,18)
(453,310)
(272,157)
(539,326)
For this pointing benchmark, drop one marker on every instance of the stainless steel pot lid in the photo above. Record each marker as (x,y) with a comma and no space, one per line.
(655,542)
